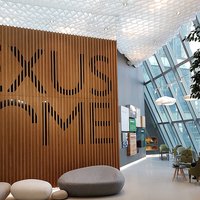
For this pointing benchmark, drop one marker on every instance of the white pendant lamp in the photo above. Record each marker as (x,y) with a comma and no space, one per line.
(165,100)
(189,98)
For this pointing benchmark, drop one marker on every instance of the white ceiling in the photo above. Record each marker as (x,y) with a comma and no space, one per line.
(139,26)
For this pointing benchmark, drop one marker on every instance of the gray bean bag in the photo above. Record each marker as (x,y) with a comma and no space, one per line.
(92,181)
(4,190)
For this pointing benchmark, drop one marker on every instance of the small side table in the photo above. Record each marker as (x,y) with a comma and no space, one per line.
(179,170)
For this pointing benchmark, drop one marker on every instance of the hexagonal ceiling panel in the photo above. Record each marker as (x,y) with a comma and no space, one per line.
(139,26)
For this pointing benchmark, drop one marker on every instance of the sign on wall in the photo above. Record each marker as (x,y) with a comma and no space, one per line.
(132,144)
(58,104)
(124,118)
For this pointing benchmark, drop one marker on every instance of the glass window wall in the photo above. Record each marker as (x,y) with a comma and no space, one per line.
(154,67)
(177,49)
(178,94)
(192,128)
(167,140)
(154,95)
(178,123)
(146,76)
(183,135)
(172,134)
(184,73)
(164,60)
(191,46)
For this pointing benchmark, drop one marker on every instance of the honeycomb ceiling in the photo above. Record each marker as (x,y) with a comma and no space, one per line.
(140,27)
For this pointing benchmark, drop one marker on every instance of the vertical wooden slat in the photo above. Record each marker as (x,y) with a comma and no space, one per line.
(47,94)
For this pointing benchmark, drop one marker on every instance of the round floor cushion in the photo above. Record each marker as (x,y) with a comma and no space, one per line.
(91,181)
(31,189)
(59,195)
(4,190)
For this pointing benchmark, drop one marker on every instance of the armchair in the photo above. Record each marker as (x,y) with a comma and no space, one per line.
(164,149)
(195,171)
(186,158)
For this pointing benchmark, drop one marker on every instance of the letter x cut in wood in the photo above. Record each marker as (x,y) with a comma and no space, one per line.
(27,70)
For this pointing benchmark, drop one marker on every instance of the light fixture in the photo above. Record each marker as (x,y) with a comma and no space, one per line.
(125,3)
(189,98)
(165,101)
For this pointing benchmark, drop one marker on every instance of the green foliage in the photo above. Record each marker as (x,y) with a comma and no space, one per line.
(195,67)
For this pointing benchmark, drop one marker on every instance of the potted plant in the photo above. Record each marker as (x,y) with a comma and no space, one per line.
(195,67)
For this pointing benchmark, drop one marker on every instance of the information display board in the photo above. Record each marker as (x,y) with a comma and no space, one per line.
(124,115)
(132,144)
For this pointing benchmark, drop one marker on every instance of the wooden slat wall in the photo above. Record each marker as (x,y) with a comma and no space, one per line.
(58,104)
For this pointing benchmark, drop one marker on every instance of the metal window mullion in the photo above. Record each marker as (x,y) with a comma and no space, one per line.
(190,137)
(155,120)
(159,61)
(181,114)
(183,62)
(153,83)
(156,108)
(181,138)
(198,20)
(154,117)
(164,123)
(167,109)
(158,76)
(149,72)
(169,125)
(149,105)
(153,101)
(191,107)
(150,109)
(195,123)
(169,55)
(182,86)
(183,45)
(183,90)
(172,61)
(167,50)
(170,119)
(177,104)
(174,129)
(166,134)
(182,122)
(167,131)
(163,137)
(185,120)
(172,64)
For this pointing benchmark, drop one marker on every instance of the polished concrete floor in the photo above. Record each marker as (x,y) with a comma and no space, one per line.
(151,179)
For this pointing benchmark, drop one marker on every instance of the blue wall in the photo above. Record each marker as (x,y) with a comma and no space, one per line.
(130,84)
(130,92)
